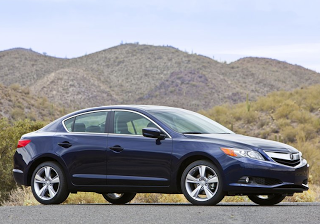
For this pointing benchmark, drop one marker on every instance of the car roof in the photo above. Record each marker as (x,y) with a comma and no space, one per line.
(128,107)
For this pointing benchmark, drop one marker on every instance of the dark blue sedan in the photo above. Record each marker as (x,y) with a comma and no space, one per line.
(119,151)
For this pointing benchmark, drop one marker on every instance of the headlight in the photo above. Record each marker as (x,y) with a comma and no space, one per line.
(243,153)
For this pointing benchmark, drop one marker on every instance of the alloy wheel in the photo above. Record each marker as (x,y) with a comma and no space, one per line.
(202,183)
(46,183)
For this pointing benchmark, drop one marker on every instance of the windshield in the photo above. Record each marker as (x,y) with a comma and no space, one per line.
(188,122)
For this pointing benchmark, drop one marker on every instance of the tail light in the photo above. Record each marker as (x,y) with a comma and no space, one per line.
(23,143)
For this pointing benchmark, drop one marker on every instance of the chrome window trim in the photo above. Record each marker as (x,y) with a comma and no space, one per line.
(109,110)
(76,115)
(126,110)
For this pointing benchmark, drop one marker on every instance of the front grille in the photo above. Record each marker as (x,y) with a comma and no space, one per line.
(265,181)
(287,162)
(284,158)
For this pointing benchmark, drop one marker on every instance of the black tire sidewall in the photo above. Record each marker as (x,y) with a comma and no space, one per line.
(126,197)
(275,199)
(219,194)
(62,192)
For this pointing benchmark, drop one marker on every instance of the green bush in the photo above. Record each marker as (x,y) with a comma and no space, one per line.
(10,133)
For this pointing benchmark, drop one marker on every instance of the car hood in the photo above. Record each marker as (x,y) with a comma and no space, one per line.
(235,140)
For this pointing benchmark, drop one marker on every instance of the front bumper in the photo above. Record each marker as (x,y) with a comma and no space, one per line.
(276,178)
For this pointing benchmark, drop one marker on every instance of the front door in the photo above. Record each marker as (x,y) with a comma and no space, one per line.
(135,160)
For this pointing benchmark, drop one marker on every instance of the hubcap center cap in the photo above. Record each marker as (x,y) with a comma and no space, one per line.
(202,183)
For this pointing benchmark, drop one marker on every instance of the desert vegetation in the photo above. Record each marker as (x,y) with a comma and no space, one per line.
(290,117)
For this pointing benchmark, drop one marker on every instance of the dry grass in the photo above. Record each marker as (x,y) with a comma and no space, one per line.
(23,197)
(159,198)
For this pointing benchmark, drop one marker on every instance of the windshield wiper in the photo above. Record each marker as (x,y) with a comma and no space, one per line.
(192,132)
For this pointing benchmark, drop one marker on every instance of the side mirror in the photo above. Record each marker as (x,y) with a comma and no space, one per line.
(153,133)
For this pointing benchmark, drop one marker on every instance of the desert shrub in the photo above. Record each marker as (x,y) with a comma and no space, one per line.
(264,134)
(159,198)
(264,104)
(310,151)
(85,198)
(305,132)
(9,135)
(241,113)
(220,114)
(282,123)
(15,86)
(20,196)
(300,116)
(289,134)
(285,109)
(17,114)
(235,199)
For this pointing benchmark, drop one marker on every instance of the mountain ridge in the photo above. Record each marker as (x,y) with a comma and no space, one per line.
(146,74)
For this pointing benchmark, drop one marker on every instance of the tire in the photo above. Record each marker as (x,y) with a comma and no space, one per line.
(48,184)
(271,199)
(201,183)
(119,198)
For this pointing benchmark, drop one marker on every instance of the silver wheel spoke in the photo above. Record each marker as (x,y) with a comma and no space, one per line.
(55,180)
(195,192)
(192,179)
(51,191)
(39,179)
(47,171)
(202,171)
(213,180)
(43,190)
(208,192)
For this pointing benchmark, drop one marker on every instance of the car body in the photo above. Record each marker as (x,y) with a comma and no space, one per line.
(139,148)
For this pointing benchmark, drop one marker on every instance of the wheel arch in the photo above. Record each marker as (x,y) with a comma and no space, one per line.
(192,158)
(45,158)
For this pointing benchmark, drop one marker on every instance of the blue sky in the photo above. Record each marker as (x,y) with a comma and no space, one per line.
(287,30)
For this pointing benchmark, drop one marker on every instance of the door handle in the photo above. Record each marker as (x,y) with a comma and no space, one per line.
(116,148)
(65,144)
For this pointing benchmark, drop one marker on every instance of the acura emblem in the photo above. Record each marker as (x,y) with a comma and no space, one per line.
(291,156)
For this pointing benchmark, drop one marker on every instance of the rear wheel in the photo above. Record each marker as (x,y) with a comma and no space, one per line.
(270,199)
(48,184)
(119,198)
(201,183)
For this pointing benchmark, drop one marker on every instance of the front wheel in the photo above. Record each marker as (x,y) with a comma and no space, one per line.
(119,198)
(201,183)
(270,199)
(48,184)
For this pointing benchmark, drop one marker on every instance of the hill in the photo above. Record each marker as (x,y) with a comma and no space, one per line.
(16,103)
(145,74)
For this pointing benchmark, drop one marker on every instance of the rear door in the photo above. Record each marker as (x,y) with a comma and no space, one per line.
(135,160)
(83,148)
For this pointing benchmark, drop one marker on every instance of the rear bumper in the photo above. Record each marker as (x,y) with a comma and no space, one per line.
(18,176)
(276,178)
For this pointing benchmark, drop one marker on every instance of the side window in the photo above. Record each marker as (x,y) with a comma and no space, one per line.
(69,123)
(92,122)
(130,123)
